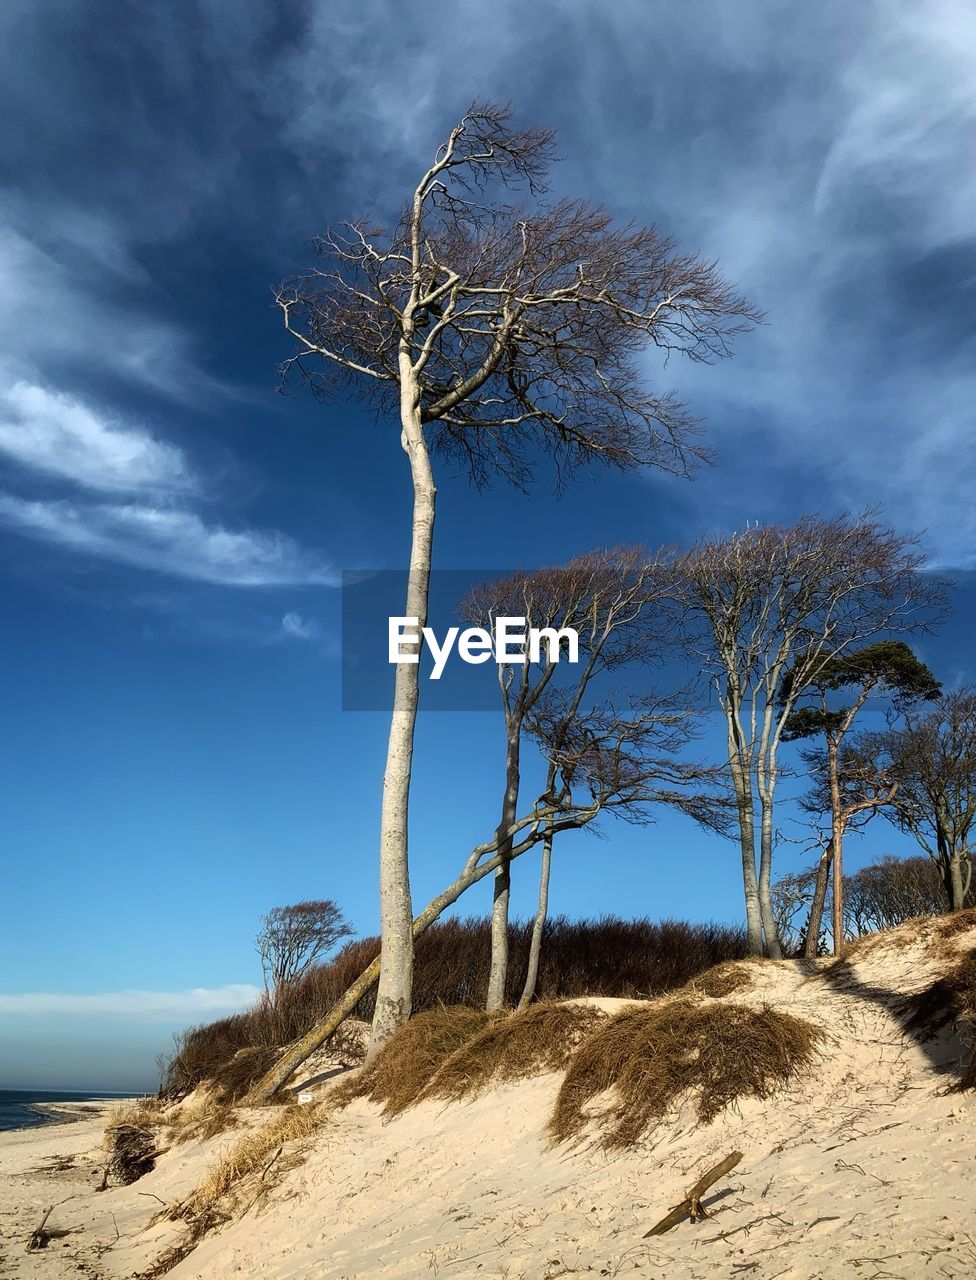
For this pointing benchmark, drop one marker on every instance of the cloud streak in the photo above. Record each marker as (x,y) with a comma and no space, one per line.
(57,435)
(139,1006)
(167,540)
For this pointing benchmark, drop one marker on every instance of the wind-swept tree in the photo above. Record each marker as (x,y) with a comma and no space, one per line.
(828,708)
(294,938)
(611,600)
(490,331)
(778,599)
(935,762)
(851,789)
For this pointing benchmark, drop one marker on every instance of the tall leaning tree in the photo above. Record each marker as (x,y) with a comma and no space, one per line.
(786,601)
(492,330)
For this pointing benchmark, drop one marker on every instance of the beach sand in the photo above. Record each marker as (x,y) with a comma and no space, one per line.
(864,1167)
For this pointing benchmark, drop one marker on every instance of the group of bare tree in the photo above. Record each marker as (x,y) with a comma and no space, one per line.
(882,895)
(918,773)
(493,330)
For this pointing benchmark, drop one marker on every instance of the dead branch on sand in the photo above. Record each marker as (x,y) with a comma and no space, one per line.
(691,1204)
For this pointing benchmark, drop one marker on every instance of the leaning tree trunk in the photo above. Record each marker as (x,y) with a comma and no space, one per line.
(297,1053)
(393,999)
(538,925)
(498,975)
(811,946)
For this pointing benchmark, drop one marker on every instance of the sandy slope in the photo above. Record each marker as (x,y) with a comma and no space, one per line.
(864,1169)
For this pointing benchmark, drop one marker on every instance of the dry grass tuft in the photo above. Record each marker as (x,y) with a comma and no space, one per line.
(540,1039)
(956,922)
(240,1178)
(202,1119)
(723,980)
(404,1067)
(653,1056)
(951,998)
(251,1154)
(145,1113)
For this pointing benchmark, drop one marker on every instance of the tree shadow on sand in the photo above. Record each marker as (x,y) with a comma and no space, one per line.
(941,1017)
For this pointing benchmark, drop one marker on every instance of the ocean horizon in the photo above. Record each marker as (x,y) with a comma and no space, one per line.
(17,1105)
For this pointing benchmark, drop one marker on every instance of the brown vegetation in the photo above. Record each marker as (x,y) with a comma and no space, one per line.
(132,1152)
(722,980)
(403,1068)
(542,1038)
(606,957)
(651,1057)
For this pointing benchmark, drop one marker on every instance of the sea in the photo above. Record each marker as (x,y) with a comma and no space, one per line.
(17,1110)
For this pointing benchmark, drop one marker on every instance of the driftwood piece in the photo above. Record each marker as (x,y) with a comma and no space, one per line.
(38,1237)
(691,1204)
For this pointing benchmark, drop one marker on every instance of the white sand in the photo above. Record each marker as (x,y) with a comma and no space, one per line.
(866,1168)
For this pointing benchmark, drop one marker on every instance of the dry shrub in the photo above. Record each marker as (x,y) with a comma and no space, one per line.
(605,957)
(233,1080)
(951,998)
(542,1038)
(723,980)
(404,1067)
(651,1057)
(132,1152)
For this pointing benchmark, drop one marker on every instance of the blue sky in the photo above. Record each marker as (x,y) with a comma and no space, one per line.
(174,761)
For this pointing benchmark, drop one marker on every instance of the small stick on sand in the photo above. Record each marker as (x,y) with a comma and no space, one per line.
(691,1204)
(37,1238)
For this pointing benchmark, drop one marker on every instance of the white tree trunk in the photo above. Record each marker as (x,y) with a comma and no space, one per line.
(745,806)
(393,999)
(538,924)
(498,976)
(774,948)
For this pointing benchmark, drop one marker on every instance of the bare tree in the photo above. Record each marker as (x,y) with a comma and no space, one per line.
(880,896)
(772,600)
(607,598)
(891,891)
(888,667)
(489,331)
(296,937)
(935,760)
(790,896)
(854,786)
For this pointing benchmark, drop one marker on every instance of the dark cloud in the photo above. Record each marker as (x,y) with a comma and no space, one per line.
(169,163)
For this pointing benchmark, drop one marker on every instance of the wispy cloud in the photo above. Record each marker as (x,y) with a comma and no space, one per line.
(56,434)
(299,628)
(142,1006)
(167,540)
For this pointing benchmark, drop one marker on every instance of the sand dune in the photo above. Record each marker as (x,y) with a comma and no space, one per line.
(863,1167)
